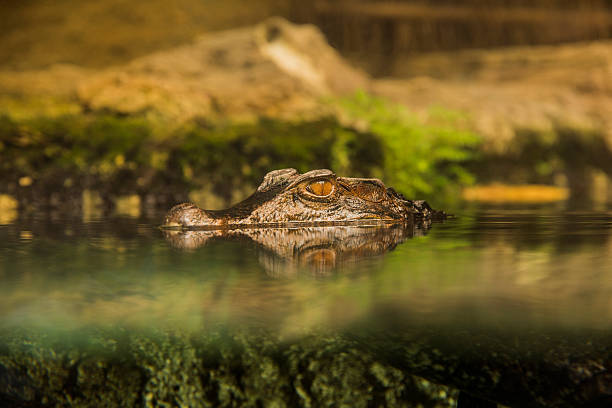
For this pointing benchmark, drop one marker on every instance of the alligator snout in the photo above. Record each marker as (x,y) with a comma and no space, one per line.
(187,214)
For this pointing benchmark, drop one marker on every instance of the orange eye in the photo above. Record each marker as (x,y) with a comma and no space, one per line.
(320,188)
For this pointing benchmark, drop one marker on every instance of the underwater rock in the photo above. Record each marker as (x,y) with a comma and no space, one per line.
(205,370)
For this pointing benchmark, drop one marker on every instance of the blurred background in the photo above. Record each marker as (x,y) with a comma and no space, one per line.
(133,105)
(112,111)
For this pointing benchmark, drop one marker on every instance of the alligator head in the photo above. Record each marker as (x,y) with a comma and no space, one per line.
(316,197)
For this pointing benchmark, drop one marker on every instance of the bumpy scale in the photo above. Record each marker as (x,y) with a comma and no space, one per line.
(316,197)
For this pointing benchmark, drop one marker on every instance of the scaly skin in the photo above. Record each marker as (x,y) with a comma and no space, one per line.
(316,197)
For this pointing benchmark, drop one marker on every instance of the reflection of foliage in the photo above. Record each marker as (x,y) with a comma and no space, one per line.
(420,158)
(116,155)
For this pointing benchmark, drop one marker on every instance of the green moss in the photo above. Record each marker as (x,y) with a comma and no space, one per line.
(121,155)
(421,159)
(229,156)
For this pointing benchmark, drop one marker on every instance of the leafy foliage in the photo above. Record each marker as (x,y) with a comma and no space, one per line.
(118,155)
(420,158)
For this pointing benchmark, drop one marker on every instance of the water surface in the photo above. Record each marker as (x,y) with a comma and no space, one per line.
(498,288)
(525,268)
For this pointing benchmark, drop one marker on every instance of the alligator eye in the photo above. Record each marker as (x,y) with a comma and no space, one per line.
(320,188)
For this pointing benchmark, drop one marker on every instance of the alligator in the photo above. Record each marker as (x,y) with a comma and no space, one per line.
(317,197)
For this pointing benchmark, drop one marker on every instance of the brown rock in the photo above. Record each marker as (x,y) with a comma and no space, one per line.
(59,80)
(505,90)
(275,68)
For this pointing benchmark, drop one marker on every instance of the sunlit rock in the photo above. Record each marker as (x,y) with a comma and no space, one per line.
(274,68)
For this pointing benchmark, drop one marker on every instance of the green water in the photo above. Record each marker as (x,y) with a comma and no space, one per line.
(469,302)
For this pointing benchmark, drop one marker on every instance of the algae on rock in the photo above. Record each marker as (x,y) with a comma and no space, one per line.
(217,369)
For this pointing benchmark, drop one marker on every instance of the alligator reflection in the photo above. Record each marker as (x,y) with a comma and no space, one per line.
(319,250)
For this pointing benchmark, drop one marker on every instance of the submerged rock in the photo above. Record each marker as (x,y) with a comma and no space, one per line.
(213,369)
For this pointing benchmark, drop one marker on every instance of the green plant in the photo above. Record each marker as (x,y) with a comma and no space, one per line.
(59,156)
(229,156)
(421,158)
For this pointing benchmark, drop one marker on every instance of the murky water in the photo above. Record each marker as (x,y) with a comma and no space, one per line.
(512,290)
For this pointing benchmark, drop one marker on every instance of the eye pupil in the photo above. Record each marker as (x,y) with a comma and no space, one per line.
(320,188)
